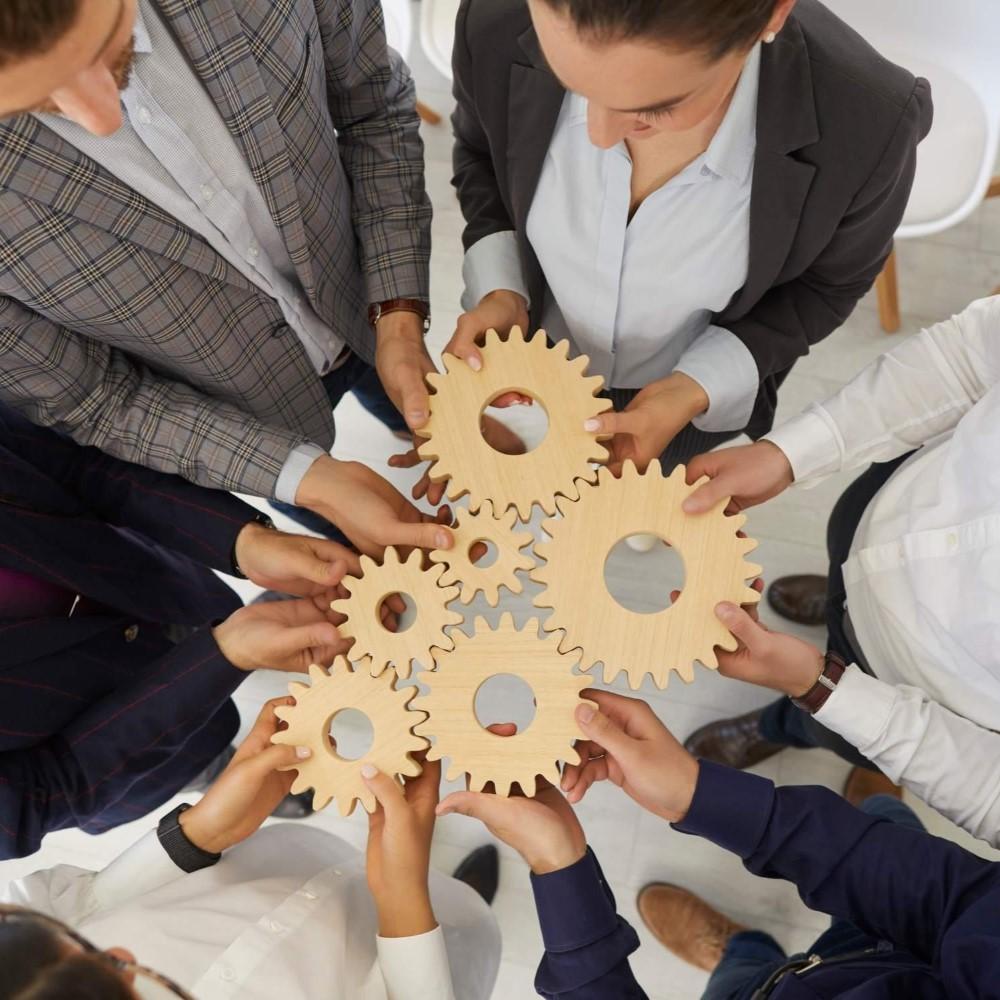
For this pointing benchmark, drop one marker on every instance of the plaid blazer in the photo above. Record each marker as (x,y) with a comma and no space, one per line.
(126,330)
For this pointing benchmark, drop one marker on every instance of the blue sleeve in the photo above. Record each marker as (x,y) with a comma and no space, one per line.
(586,943)
(922,893)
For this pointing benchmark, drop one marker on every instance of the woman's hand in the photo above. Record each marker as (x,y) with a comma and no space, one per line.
(651,421)
(248,790)
(750,474)
(399,849)
(293,564)
(628,745)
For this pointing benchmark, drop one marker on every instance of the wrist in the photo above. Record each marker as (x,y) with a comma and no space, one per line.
(557,859)
(683,777)
(319,483)
(693,399)
(246,542)
(802,674)
(404,324)
(226,637)
(406,914)
(199,832)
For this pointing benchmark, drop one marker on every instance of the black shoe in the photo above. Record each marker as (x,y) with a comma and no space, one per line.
(295,806)
(734,742)
(201,781)
(481,871)
(800,598)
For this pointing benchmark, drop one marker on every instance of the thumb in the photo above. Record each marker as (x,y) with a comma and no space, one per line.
(708,494)
(749,632)
(414,397)
(626,422)
(600,729)
(316,569)
(291,641)
(277,757)
(421,536)
(487,808)
(386,790)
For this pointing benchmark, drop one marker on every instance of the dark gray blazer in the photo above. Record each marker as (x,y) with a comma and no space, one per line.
(837,132)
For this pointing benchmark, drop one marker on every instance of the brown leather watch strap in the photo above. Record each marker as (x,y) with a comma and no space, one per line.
(379,309)
(815,698)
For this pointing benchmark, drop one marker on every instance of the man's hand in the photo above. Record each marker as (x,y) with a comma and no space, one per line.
(750,474)
(651,421)
(369,510)
(402,363)
(248,790)
(628,745)
(399,849)
(293,564)
(282,635)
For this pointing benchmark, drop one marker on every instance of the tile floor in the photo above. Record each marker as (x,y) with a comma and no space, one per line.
(938,276)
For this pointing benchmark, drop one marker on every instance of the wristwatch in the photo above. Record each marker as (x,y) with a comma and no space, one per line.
(418,306)
(265,522)
(815,698)
(187,856)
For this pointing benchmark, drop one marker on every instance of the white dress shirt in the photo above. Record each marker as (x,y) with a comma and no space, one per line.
(285,914)
(923,576)
(637,296)
(175,150)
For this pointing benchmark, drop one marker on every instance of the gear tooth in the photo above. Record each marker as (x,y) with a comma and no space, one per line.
(751,571)
(529,785)
(594,384)
(492,339)
(317,674)
(346,805)
(560,348)
(450,363)
(454,771)
(502,788)
(341,606)
(435,379)
(476,782)
(368,802)
(300,784)
(686,671)
(750,596)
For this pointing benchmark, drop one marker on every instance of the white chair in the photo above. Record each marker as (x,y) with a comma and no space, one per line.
(954,45)
(437,33)
(398,16)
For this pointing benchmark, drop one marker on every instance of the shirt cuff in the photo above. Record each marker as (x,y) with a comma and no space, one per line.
(491,264)
(298,463)
(731,808)
(811,444)
(721,364)
(145,866)
(859,708)
(416,968)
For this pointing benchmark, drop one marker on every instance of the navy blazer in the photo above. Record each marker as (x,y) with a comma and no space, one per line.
(102,716)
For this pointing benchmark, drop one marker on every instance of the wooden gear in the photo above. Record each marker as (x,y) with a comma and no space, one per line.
(367,592)
(470,528)
(450,706)
(325,772)
(623,640)
(531,367)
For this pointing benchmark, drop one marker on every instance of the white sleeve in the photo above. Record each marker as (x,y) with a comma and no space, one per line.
(491,264)
(947,761)
(902,400)
(412,968)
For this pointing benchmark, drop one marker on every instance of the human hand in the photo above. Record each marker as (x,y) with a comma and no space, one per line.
(293,564)
(770,659)
(629,746)
(402,364)
(399,849)
(369,510)
(750,474)
(657,414)
(248,790)
(282,635)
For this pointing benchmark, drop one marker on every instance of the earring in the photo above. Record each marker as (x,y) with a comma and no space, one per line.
(769,37)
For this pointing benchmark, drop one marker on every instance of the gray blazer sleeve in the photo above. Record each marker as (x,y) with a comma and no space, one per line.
(100,396)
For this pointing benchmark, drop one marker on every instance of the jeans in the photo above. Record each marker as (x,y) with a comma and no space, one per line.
(753,956)
(357,376)
(782,722)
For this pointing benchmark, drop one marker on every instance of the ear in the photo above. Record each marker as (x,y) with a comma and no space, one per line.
(782,11)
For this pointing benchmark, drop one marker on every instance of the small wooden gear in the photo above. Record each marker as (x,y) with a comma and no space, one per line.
(593,621)
(473,577)
(544,373)
(450,706)
(329,775)
(364,625)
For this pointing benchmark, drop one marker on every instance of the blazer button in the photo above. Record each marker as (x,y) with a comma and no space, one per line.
(131,633)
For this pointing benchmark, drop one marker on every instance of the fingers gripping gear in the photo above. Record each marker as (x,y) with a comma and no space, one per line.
(544,373)
(327,774)
(623,640)
(450,704)
(362,609)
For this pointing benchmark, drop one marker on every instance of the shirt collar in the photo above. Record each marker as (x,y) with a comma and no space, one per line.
(142,41)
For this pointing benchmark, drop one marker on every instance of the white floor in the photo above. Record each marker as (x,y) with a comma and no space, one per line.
(938,277)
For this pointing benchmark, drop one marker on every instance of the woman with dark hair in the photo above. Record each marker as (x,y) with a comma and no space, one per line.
(692,193)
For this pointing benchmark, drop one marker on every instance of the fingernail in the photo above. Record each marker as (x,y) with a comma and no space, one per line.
(414,416)
(303,753)
(441,539)
(368,771)
(585,714)
(474,363)
(593,424)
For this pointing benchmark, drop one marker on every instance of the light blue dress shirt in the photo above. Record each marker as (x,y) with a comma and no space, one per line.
(637,296)
(174,149)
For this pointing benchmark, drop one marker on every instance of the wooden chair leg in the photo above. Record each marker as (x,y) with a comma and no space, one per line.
(427,114)
(888,296)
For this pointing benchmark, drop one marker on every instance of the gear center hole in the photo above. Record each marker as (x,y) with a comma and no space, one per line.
(640,578)
(350,733)
(505,698)
(483,553)
(397,612)
(514,430)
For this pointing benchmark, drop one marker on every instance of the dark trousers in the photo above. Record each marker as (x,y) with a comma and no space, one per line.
(782,722)
(357,376)
(751,957)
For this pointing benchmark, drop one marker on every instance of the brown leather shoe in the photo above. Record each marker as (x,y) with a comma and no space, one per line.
(734,742)
(800,598)
(685,924)
(862,784)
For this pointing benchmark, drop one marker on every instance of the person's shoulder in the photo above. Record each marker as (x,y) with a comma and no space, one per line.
(494,26)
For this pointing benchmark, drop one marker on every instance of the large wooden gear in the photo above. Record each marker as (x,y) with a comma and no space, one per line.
(472,467)
(470,528)
(329,775)
(450,707)
(364,624)
(594,622)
